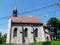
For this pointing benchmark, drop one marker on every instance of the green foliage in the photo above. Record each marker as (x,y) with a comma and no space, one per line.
(54,25)
(55,42)
(47,43)
(3,39)
(37,43)
(6,44)
(0,34)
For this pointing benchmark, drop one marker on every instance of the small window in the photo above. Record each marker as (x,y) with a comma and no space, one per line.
(36,32)
(15,32)
(26,29)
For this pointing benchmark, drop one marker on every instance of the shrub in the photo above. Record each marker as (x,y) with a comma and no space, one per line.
(1,40)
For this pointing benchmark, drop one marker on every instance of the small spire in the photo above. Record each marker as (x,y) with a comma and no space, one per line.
(15,12)
(15,8)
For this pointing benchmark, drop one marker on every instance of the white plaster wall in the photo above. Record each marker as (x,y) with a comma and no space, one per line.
(17,39)
(8,33)
(47,34)
(38,38)
(29,39)
(41,34)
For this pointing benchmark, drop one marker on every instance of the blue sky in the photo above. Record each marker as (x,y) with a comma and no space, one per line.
(6,7)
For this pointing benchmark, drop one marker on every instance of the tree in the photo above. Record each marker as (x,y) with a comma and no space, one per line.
(58,26)
(4,37)
(53,24)
(0,34)
(1,40)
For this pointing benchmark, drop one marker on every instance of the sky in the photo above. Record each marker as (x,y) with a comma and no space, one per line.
(7,6)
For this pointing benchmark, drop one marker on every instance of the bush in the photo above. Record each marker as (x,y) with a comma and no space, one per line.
(46,43)
(1,40)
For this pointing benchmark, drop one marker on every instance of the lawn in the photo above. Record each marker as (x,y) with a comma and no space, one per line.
(47,43)
(6,44)
(42,43)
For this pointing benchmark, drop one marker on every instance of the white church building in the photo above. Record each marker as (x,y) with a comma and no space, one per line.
(26,30)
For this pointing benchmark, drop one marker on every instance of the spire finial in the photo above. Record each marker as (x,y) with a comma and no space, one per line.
(15,8)
(15,11)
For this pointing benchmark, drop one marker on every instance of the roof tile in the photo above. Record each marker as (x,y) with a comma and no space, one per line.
(25,20)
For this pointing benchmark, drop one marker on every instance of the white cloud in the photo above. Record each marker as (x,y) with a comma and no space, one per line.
(46,15)
(30,16)
(3,31)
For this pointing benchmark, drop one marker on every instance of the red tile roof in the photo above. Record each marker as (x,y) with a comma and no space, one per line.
(25,20)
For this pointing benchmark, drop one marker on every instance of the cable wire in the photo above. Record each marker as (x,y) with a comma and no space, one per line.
(39,9)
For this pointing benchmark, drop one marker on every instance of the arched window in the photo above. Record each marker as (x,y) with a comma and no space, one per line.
(47,38)
(36,32)
(15,32)
(26,29)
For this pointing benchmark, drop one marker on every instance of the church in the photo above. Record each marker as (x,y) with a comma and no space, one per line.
(26,30)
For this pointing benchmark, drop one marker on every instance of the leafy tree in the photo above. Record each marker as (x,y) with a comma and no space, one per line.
(53,24)
(4,37)
(0,34)
(1,40)
(58,26)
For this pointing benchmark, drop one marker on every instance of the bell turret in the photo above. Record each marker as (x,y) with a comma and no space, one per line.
(15,12)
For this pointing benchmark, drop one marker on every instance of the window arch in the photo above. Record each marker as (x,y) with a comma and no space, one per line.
(15,32)
(36,32)
(26,29)
(47,38)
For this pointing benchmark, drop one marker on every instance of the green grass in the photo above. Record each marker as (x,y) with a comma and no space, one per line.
(47,43)
(37,43)
(6,44)
(55,42)
(42,43)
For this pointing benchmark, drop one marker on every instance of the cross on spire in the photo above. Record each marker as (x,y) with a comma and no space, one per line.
(15,12)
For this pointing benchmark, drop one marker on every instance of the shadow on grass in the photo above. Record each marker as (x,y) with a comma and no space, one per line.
(46,43)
